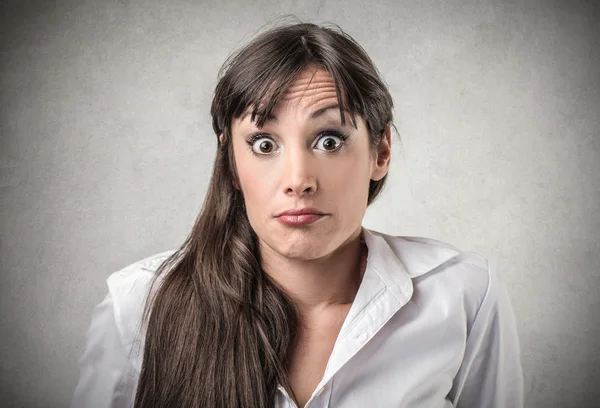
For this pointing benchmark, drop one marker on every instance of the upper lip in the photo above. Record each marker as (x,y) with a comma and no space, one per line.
(301,211)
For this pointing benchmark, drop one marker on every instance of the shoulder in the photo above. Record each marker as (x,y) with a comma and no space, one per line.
(443,272)
(129,288)
(423,256)
(135,275)
(463,264)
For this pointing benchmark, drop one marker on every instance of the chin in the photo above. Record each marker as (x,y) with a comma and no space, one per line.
(303,246)
(301,254)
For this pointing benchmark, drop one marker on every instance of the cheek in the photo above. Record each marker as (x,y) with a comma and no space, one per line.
(252,185)
(248,180)
(255,184)
(350,182)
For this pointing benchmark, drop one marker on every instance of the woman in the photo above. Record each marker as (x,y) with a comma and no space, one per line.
(279,297)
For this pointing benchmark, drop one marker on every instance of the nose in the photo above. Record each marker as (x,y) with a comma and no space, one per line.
(299,176)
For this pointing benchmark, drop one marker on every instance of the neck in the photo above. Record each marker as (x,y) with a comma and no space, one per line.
(319,284)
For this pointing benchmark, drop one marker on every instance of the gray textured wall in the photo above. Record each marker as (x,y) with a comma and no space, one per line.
(106,149)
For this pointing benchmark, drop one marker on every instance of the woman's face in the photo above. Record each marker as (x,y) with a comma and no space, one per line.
(303,159)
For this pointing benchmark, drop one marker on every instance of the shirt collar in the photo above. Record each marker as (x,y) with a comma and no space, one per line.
(397,259)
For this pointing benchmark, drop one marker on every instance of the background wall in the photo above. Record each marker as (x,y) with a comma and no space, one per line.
(106,148)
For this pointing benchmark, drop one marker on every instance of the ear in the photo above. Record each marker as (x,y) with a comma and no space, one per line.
(221,138)
(383,155)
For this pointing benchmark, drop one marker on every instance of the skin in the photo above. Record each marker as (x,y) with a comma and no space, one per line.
(319,265)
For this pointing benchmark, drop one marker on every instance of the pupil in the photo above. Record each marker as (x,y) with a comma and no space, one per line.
(265,146)
(329,143)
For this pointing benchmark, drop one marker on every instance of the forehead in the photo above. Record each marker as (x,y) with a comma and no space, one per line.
(312,94)
(313,87)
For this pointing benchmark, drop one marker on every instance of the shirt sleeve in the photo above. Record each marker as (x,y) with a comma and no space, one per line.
(491,374)
(106,377)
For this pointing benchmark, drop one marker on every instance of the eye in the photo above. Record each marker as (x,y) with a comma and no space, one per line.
(262,145)
(330,141)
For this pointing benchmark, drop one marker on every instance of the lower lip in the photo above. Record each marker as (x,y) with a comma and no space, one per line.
(299,220)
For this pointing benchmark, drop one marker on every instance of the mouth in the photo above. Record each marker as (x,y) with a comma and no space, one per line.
(300,217)
(302,211)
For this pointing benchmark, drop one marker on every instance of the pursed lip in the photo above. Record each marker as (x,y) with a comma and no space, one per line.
(302,211)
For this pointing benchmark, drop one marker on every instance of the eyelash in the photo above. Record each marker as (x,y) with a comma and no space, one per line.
(331,132)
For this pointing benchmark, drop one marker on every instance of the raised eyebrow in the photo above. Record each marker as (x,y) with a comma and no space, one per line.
(314,115)
(321,111)
(249,111)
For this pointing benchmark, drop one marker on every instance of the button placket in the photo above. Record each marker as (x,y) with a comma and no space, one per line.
(326,394)
(362,337)
(320,397)
(285,398)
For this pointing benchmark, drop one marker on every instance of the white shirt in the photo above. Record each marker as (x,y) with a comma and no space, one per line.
(431,326)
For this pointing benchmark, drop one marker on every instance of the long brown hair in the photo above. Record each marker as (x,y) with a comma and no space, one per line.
(218,329)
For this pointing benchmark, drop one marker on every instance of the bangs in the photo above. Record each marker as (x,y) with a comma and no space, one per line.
(271,89)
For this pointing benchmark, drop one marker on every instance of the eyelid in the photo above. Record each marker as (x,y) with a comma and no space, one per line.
(258,135)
